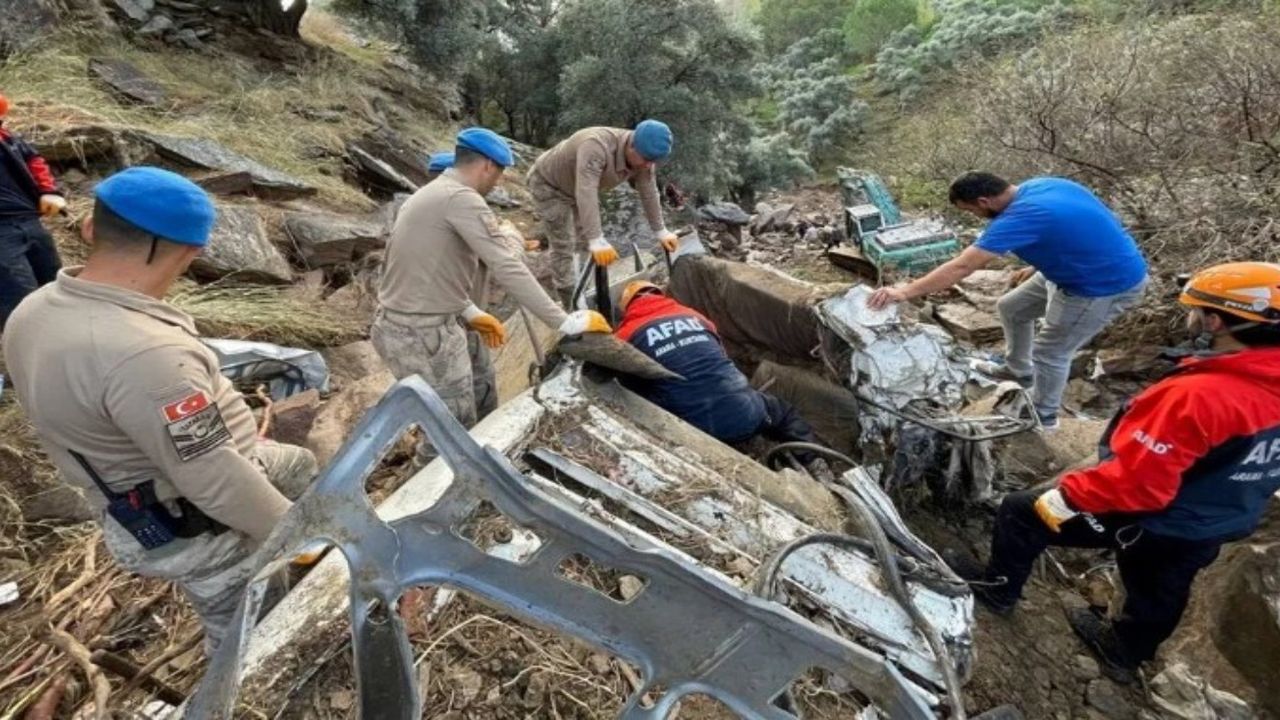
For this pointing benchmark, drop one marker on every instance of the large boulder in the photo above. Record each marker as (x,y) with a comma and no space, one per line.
(386,164)
(239,248)
(205,154)
(320,240)
(293,417)
(726,213)
(352,362)
(342,412)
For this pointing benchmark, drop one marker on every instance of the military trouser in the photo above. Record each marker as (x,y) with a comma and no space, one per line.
(559,224)
(453,361)
(213,570)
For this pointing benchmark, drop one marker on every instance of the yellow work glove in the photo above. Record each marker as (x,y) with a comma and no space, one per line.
(667,239)
(1053,509)
(602,252)
(52,204)
(490,329)
(584,321)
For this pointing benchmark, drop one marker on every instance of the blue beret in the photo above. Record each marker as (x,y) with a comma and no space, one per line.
(653,140)
(488,143)
(161,203)
(439,162)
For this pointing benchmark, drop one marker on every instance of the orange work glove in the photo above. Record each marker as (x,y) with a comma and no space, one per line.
(667,239)
(602,252)
(490,329)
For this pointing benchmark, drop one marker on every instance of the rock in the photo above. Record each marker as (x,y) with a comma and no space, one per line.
(969,324)
(209,155)
(1085,668)
(724,212)
(499,197)
(353,362)
(292,418)
(127,81)
(387,164)
(79,143)
(342,700)
(239,247)
(320,239)
(629,586)
(1081,394)
(1246,620)
(1119,361)
(157,25)
(187,38)
(466,684)
(984,286)
(1179,694)
(25,22)
(389,211)
(344,409)
(771,218)
(1103,695)
(623,220)
(136,10)
(851,258)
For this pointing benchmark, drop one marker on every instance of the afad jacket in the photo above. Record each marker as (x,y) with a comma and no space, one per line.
(714,395)
(1195,456)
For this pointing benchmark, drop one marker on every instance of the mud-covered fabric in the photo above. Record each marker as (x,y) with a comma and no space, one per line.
(213,570)
(752,307)
(714,395)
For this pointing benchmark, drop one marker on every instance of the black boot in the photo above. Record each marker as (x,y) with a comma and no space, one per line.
(1100,638)
(985,590)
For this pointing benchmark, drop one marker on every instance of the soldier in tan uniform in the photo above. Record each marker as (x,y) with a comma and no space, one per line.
(131,407)
(445,245)
(566,182)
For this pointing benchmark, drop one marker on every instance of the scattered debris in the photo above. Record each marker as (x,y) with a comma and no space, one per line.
(726,213)
(969,324)
(1180,694)
(772,218)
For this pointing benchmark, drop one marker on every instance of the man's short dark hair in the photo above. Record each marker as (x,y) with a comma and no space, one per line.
(973,185)
(466,156)
(109,229)
(1249,332)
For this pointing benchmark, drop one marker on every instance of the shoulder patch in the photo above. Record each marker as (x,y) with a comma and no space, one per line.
(195,426)
(491,224)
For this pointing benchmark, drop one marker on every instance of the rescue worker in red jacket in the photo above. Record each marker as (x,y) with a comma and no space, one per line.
(714,395)
(28,257)
(1187,465)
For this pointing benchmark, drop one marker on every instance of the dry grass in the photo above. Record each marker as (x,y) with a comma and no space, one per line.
(283,316)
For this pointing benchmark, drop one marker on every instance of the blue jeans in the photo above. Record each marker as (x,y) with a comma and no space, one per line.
(28,259)
(1070,322)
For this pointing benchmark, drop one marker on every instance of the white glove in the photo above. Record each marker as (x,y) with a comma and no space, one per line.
(602,252)
(1053,509)
(584,321)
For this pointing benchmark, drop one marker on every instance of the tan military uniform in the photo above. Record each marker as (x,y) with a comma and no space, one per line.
(566,182)
(122,379)
(445,243)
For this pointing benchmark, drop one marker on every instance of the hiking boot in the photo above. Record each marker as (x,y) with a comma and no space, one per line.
(1048,423)
(975,573)
(1100,637)
(1000,371)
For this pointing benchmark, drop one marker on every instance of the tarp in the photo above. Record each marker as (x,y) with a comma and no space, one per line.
(751,306)
(284,370)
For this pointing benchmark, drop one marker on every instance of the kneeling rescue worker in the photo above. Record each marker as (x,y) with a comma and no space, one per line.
(714,395)
(132,408)
(1187,465)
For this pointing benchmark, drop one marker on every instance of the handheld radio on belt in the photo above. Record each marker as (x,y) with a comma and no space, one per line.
(148,520)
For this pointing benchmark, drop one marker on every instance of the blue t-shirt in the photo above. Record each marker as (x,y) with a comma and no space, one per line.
(1064,231)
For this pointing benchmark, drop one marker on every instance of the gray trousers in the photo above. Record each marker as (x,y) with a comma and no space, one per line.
(453,361)
(213,570)
(1070,322)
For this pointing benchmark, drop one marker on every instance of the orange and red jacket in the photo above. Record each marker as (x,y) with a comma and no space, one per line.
(26,175)
(1197,455)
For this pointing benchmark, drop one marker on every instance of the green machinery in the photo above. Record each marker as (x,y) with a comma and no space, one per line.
(874,223)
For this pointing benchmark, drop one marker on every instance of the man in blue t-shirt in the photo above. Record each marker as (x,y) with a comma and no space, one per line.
(1085,270)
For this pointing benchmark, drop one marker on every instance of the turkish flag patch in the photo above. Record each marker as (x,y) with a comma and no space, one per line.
(186,407)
